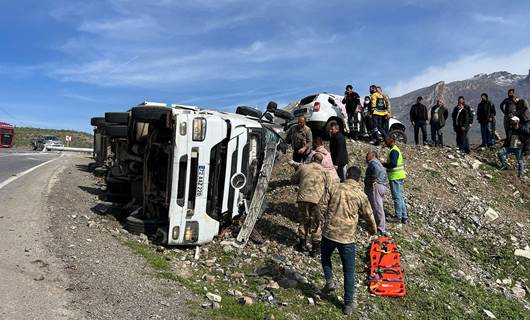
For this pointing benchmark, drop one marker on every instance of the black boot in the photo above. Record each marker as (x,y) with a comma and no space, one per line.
(300,246)
(315,249)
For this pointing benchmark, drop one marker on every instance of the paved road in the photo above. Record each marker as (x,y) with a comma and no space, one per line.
(12,163)
(32,283)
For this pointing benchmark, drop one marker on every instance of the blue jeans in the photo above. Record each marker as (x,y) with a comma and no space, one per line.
(486,131)
(397,188)
(347,256)
(518,152)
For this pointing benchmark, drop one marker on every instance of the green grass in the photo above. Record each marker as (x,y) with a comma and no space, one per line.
(158,262)
(23,136)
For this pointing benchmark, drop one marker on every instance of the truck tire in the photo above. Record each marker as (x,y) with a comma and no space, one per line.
(115,197)
(117,117)
(117,185)
(116,131)
(136,225)
(97,121)
(399,135)
(280,113)
(249,111)
(157,115)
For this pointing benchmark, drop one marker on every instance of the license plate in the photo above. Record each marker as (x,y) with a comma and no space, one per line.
(200,180)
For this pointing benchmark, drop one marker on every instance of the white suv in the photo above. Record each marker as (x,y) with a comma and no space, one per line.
(323,109)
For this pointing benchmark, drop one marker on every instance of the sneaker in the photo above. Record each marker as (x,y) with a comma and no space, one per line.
(330,286)
(503,167)
(349,308)
(300,246)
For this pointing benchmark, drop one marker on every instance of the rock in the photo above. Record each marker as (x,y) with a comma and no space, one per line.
(269,317)
(143,237)
(210,278)
(213,297)
(245,300)
(210,262)
(489,314)
(476,164)
(455,164)
(228,249)
(234,293)
(237,275)
(197,254)
(216,305)
(490,215)
(525,253)
(311,301)
(91,223)
(488,176)
(451,181)
(450,156)
(507,281)
(518,292)
(273,285)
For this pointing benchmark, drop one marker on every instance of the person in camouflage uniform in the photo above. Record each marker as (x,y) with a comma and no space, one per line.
(313,181)
(347,201)
(300,138)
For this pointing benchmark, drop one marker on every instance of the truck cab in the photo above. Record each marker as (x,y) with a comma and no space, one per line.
(201,169)
(7,135)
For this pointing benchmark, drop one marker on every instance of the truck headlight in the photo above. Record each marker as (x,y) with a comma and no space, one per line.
(199,129)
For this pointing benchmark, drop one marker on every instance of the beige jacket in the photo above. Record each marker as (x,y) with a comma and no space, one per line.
(346,203)
(313,183)
(299,137)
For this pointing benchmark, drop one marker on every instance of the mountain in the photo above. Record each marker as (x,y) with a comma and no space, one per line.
(495,84)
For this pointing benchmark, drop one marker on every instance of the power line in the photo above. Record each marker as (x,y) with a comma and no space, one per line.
(12,117)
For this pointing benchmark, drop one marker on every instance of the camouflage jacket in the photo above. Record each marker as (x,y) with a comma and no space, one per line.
(299,137)
(313,183)
(347,202)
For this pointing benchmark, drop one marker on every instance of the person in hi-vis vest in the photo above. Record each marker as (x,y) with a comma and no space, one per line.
(395,170)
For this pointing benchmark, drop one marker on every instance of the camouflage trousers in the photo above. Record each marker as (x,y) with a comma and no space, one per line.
(309,221)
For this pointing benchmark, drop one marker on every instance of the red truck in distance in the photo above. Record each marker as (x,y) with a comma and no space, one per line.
(7,135)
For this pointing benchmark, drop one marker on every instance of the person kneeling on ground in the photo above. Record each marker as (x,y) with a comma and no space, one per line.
(514,144)
(313,181)
(346,202)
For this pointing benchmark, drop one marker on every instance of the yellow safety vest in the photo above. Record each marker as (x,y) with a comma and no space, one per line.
(398,172)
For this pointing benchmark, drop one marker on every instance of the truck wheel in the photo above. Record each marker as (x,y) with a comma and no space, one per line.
(117,185)
(249,111)
(158,115)
(117,117)
(399,135)
(280,113)
(136,225)
(98,121)
(117,131)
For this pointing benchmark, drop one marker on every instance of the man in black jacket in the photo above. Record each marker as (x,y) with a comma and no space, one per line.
(439,115)
(337,148)
(508,107)
(461,122)
(486,118)
(419,117)
(352,101)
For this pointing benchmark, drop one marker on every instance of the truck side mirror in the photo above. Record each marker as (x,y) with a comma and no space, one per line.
(272,106)
(268,116)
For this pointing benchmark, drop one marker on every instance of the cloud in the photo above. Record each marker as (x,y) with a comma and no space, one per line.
(517,62)
(481,18)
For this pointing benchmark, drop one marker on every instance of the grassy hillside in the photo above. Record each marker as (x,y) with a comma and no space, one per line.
(23,136)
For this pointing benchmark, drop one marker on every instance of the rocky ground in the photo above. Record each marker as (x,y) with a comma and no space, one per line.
(467,219)
(107,279)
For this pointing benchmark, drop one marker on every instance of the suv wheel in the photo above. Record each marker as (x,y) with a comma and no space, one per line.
(399,135)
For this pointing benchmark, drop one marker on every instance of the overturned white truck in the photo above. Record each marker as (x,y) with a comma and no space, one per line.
(202,170)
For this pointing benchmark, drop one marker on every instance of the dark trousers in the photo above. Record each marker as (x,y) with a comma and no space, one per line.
(487,131)
(381,123)
(353,123)
(347,256)
(340,172)
(420,125)
(297,157)
(437,135)
(462,141)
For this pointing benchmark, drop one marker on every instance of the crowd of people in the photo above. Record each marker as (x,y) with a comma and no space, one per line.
(331,198)
(516,122)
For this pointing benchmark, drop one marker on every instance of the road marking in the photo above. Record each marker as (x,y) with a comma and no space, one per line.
(20,154)
(21,174)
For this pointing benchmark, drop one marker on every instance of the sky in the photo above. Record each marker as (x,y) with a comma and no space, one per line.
(65,61)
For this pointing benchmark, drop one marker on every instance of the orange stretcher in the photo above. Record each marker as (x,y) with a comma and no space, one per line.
(386,276)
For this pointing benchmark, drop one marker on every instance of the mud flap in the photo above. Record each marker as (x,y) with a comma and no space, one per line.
(255,208)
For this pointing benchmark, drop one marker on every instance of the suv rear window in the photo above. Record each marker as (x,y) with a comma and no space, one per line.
(308,99)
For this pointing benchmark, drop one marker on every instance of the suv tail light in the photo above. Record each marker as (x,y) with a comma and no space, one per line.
(316,107)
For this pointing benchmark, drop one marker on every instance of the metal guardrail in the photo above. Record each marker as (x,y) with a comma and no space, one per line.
(88,150)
